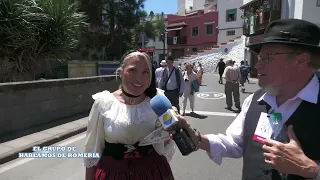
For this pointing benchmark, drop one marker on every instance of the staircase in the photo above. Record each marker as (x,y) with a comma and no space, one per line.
(234,50)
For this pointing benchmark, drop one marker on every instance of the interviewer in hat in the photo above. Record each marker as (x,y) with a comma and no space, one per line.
(288,57)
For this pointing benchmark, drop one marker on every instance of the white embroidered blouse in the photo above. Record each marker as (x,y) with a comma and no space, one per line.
(115,122)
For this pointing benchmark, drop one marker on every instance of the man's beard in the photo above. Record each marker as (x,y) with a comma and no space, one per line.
(270,89)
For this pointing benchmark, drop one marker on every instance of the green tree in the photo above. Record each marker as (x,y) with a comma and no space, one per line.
(117,26)
(116,30)
(34,31)
(155,27)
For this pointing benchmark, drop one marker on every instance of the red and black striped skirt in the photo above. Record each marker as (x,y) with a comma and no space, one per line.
(134,167)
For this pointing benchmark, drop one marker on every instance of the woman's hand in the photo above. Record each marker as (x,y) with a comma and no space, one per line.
(166,142)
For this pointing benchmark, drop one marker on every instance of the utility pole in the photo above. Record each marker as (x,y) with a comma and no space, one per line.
(164,45)
(142,40)
(164,36)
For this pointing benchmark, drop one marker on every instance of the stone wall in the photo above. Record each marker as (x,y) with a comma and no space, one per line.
(27,104)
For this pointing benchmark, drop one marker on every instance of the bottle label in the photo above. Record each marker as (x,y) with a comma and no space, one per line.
(263,129)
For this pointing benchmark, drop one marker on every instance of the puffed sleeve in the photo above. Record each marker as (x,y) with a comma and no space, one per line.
(95,136)
(167,151)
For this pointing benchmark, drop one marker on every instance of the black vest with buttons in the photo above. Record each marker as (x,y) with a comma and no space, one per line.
(306,125)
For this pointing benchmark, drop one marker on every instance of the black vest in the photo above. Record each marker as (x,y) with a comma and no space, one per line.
(177,73)
(306,125)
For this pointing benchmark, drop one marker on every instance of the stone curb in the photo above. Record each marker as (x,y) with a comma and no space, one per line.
(9,156)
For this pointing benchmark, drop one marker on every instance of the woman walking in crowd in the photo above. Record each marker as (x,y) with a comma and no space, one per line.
(119,120)
(199,73)
(189,77)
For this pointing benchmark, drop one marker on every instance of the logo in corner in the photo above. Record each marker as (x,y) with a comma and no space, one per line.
(167,119)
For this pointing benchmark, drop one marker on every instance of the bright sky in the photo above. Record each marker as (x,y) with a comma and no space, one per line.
(158,6)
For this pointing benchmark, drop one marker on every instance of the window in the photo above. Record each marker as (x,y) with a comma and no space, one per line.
(209,29)
(231,15)
(195,31)
(194,50)
(231,33)
(318,2)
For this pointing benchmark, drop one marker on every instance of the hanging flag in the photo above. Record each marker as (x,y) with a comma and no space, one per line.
(252,24)
(244,27)
(261,18)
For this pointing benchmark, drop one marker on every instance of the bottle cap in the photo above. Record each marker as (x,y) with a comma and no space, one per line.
(276,116)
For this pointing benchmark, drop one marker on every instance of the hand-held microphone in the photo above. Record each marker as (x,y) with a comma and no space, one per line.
(161,105)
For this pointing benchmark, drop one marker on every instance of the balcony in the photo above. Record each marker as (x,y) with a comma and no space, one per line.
(259,27)
(260,15)
(180,40)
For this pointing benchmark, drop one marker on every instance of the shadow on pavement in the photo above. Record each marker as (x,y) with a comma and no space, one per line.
(195,115)
(247,92)
(234,110)
(17,134)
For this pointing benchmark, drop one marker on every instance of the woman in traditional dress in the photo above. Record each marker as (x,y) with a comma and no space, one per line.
(199,73)
(119,120)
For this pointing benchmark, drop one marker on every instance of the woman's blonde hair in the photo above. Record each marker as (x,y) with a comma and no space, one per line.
(135,54)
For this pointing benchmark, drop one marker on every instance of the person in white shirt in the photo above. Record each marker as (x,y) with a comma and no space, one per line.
(288,58)
(194,67)
(119,120)
(159,70)
(172,83)
(189,76)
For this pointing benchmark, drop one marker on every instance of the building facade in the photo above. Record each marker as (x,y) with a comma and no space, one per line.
(258,14)
(192,33)
(158,45)
(159,48)
(230,22)
(198,4)
(184,6)
(188,6)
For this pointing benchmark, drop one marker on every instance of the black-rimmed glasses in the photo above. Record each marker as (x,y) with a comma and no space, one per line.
(265,57)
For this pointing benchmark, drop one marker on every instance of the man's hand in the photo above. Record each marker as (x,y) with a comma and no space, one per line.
(183,124)
(289,158)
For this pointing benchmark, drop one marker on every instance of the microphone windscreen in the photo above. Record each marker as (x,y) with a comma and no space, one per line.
(160,104)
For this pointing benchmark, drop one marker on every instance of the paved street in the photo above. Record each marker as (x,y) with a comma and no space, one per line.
(212,118)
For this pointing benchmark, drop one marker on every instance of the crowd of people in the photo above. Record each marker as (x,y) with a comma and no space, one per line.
(287,61)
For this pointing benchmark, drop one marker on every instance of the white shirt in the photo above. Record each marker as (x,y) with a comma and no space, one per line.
(191,77)
(172,82)
(115,122)
(199,71)
(158,75)
(231,144)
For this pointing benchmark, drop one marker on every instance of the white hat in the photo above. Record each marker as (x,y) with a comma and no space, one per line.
(163,63)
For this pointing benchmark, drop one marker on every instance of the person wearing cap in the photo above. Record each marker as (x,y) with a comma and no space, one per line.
(288,58)
(163,65)
(172,83)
